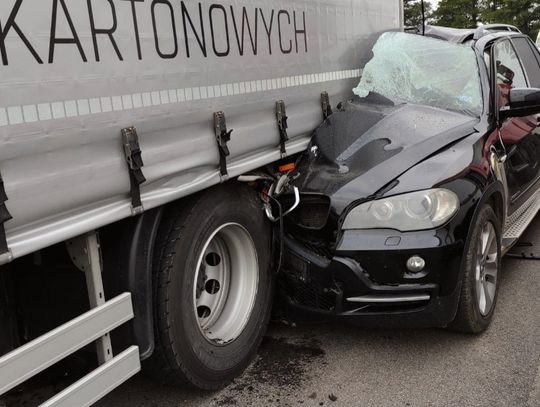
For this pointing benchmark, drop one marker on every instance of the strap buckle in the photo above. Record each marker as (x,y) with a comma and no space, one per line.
(223,136)
(281,117)
(133,155)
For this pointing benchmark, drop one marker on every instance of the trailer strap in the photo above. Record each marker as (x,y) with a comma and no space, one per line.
(133,154)
(223,136)
(281,117)
(325,105)
(4,217)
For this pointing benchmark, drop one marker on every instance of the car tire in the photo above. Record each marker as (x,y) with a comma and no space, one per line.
(213,288)
(481,274)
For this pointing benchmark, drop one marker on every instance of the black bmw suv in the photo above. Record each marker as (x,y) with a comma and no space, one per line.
(411,192)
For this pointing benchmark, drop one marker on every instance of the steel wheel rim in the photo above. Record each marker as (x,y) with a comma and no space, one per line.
(486,271)
(226,284)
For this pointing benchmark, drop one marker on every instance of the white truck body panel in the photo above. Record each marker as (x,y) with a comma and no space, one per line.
(73,73)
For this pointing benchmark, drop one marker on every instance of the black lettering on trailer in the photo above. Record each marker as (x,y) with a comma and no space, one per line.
(53,40)
(280,13)
(156,37)
(200,39)
(268,29)
(210,12)
(291,26)
(136,26)
(297,31)
(103,31)
(245,21)
(11,23)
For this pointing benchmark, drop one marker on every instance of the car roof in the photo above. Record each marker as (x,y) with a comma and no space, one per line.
(462,35)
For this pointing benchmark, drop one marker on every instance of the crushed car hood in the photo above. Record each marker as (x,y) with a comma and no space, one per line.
(370,142)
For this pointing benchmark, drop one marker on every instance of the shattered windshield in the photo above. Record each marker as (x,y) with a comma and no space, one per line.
(408,68)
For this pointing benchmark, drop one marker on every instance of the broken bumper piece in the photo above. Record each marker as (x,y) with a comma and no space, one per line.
(370,287)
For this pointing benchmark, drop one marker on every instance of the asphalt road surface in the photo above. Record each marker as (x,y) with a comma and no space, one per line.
(338,365)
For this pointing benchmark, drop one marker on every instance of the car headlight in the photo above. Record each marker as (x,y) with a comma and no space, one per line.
(414,211)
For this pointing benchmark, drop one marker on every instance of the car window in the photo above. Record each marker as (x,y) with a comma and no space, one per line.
(510,73)
(408,68)
(509,65)
(528,60)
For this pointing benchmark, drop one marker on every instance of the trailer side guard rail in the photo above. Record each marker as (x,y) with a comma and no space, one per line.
(93,326)
(36,356)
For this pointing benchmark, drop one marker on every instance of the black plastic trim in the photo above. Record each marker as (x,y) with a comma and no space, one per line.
(141,253)
(4,217)
(128,251)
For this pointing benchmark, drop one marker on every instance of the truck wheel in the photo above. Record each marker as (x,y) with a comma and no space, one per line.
(213,288)
(482,266)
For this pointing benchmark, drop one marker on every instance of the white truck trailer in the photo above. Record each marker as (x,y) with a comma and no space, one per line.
(124,128)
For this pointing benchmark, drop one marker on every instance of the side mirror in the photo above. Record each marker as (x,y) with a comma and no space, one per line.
(522,102)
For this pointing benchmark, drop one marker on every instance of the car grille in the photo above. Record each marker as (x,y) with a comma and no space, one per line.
(313,212)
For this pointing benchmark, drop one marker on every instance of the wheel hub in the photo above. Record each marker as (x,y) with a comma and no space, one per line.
(226,283)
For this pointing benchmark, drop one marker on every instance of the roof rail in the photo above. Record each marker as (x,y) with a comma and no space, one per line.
(479,33)
(506,27)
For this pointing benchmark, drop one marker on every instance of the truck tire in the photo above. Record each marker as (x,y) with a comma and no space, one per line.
(213,288)
(481,275)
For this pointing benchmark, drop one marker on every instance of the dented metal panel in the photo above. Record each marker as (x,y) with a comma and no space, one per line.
(73,73)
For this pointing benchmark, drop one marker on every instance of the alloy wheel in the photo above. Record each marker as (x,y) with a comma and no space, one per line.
(486,272)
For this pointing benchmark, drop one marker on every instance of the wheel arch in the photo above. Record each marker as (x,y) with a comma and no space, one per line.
(128,252)
(492,195)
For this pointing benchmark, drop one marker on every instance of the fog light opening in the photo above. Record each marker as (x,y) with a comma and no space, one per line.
(416,264)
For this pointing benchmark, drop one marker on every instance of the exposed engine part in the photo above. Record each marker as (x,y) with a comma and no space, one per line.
(269,194)
(268,206)
(277,188)
(282,184)
(272,184)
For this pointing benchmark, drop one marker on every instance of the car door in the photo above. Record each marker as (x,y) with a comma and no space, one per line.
(518,66)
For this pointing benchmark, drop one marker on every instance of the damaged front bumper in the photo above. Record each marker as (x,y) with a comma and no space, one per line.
(366,279)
